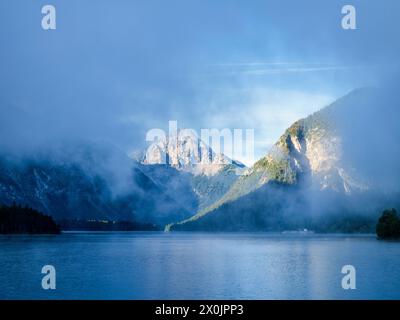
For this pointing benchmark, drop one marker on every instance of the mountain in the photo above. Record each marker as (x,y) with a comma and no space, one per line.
(190,171)
(331,171)
(96,181)
(340,161)
(86,181)
(187,152)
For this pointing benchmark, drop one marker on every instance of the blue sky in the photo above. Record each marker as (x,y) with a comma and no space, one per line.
(114,69)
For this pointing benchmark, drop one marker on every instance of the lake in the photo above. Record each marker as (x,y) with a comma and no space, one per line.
(157,265)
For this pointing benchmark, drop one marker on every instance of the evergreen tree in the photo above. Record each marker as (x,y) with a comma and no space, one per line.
(388,226)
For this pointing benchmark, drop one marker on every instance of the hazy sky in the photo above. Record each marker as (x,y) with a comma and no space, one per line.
(113,70)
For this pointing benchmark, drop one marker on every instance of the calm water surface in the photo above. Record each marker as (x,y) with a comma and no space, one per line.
(156,265)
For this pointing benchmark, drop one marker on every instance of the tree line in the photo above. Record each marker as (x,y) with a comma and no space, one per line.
(16,219)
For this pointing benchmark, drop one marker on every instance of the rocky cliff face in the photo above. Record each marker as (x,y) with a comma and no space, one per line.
(190,170)
(186,152)
(310,152)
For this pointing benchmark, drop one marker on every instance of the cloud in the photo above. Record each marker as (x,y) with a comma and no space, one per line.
(113,72)
(278,68)
(267,110)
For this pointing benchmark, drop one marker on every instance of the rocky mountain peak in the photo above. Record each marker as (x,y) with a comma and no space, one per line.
(187,152)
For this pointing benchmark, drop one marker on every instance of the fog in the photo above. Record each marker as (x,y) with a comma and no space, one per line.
(89,91)
(114,70)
